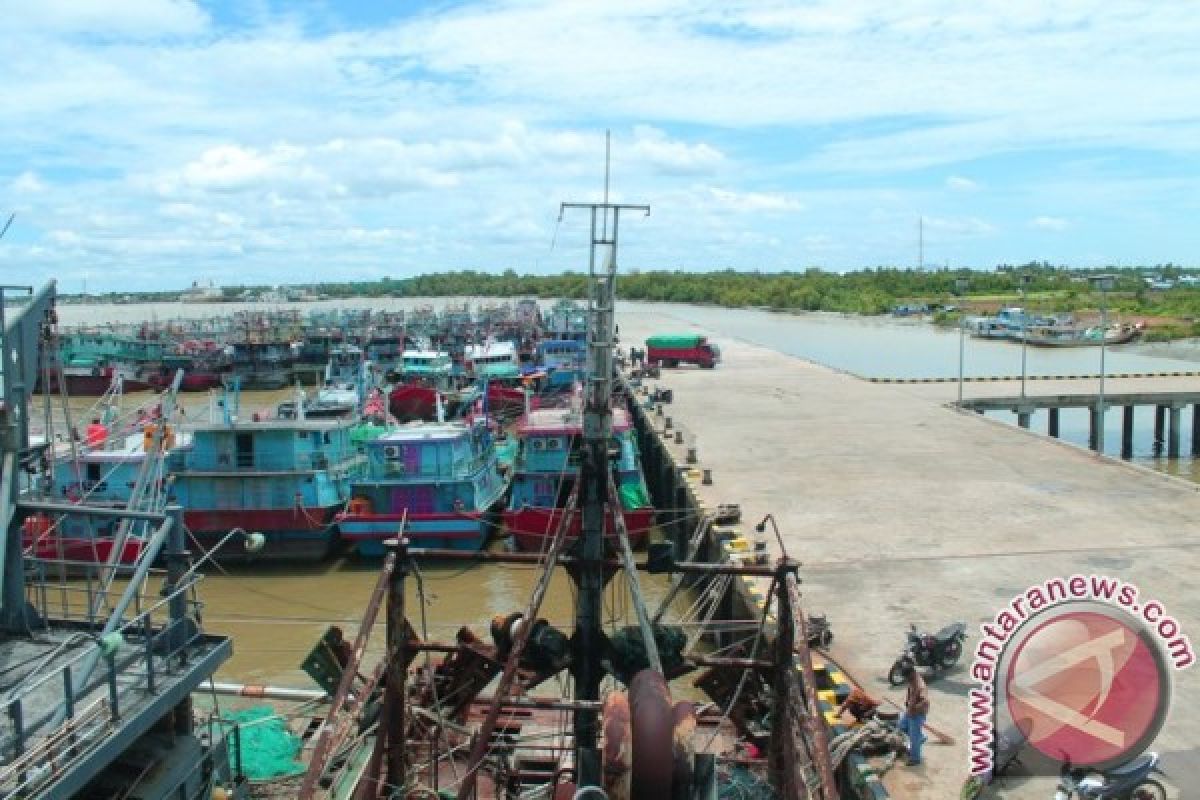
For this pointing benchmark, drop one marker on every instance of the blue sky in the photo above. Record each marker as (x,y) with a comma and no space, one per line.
(150,143)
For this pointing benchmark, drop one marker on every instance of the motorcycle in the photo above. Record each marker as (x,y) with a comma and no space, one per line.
(1130,781)
(940,650)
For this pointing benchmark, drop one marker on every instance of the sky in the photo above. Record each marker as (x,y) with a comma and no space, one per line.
(147,144)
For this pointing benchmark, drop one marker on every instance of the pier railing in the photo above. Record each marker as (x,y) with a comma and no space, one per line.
(64,709)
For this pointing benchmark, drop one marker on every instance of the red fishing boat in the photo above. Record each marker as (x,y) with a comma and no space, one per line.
(547,467)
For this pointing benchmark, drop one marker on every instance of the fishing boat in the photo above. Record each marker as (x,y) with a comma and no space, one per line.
(89,363)
(385,343)
(563,362)
(99,669)
(1093,336)
(567,320)
(428,382)
(262,364)
(440,479)
(496,366)
(103,476)
(199,375)
(546,472)
(283,478)
(1008,323)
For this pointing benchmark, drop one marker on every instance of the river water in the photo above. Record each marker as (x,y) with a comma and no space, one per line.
(276,614)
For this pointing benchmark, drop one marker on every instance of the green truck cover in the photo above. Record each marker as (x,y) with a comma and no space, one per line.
(675,341)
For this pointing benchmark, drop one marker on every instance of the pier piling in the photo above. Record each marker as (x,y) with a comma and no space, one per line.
(1052,422)
(1160,416)
(1094,423)
(1196,429)
(1127,432)
(1176,430)
(1023,418)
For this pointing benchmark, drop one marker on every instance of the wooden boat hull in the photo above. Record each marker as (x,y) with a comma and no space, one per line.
(532,528)
(410,402)
(94,385)
(453,530)
(40,540)
(192,381)
(505,400)
(292,534)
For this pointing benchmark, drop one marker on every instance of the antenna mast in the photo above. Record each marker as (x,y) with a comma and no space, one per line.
(920,243)
(594,469)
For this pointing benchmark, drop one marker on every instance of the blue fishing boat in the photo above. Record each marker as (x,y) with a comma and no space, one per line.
(105,475)
(283,478)
(443,478)
(563,362)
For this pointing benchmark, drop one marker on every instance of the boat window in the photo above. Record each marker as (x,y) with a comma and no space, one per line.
(537,443)
(554,443)
(93,473)
(244,445)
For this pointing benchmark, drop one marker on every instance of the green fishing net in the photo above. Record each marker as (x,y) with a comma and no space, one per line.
(268,748)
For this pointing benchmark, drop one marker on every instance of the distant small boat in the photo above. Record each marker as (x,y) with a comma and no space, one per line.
(1055,336)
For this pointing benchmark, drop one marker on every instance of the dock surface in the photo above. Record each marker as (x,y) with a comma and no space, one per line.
(904,510)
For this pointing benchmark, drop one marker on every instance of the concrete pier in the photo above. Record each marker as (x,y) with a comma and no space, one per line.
(1168,405)
(904,510)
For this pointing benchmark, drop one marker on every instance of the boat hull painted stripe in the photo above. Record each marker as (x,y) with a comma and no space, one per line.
(531,528)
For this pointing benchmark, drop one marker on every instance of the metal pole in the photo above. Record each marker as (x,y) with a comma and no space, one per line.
(1103,349)
(397,664)
(962,340)
(1024,338)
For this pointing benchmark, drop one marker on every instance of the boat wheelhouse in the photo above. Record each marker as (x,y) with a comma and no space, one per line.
(547,467)
(493,360)
(91,362)
(442,479)
(105,476)
(563,361)
(262,364)
(282,478)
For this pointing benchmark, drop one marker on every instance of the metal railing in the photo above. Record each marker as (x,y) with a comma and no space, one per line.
(151,645)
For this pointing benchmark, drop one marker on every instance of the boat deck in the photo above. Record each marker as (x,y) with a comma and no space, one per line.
(72,707)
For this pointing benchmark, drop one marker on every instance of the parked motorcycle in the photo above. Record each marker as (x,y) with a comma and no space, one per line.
(1130,781)
(936,651)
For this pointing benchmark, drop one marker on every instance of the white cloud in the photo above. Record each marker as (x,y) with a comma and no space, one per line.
(754,201)
(1050,223)
(27,183)
(654,148)
(283,141)
(132,18)
(959,226)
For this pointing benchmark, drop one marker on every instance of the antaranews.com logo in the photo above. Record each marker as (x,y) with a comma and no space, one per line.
(1073,670)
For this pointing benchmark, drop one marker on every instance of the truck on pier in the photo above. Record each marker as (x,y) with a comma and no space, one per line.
(671,350)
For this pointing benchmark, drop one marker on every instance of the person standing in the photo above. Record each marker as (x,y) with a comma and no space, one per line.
(916,709)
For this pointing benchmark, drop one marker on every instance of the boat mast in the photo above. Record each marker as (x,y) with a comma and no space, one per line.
(593,489)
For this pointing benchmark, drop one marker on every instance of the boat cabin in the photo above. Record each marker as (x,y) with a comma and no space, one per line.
(270,445)
(496,359)
(425,363)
